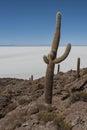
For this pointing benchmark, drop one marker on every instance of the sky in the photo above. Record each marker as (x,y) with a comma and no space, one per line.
(32,22)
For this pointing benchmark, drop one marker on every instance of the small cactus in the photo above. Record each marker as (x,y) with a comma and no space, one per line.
(78,67)
(58,68)
(51,60)
(31,78)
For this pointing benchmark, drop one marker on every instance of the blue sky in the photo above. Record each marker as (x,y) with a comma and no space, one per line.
(32,22)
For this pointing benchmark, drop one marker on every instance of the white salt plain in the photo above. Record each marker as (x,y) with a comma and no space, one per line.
(22,62)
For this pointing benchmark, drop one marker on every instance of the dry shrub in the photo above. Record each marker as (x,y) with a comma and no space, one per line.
(57,119)
(46,116)
(24,100)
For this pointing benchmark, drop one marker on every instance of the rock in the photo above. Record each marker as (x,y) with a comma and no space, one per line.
(33,109)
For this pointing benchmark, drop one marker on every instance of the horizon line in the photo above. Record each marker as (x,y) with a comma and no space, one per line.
(34,45)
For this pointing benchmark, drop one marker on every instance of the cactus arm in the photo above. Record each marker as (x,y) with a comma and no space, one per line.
(46,60)
(56,39)
(61,58)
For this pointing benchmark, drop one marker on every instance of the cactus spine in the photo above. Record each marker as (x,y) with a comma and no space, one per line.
(51,60)
(78,67)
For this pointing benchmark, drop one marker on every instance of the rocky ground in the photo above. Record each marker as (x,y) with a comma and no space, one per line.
(22,104)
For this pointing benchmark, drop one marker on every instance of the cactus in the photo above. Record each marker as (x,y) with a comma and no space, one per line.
(31,78)
(78,67)
(58,68)
(51,60)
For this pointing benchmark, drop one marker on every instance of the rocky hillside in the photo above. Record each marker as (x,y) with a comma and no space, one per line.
(22,104)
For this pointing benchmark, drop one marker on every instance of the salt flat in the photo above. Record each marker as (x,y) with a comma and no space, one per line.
(22,62)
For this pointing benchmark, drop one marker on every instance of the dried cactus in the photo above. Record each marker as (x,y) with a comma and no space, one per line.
(51,60)
(78,67)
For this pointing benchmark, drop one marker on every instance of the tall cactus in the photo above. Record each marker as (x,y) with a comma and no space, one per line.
(51,60)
